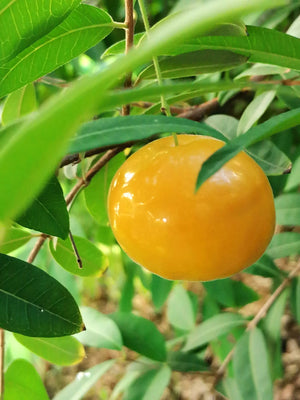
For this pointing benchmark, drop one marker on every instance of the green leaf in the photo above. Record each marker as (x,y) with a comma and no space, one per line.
(83,382)
(293,179)
(119,47)
(48,212)
(22,382)
(59,350)
(13,239)
(186,362)
(33,303)
(194,63)
(18,104)
(272,321)
(150,385)
(160,289)
(180,309)
(231,389)
(251,369)
(270,127)
(96,192)
(284,244)
(118,130)
(93,261)
(25,22)
(230,293)
(288,209)
(101,331)
(225,124)
(141,335)
(265,267)
(82,29)
(212,328)
(295,298)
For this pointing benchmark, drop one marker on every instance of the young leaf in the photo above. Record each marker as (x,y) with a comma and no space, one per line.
(149,385)
(82,29)
(101,331)
(83,382)
(13,239)
(33,303)
(18,104)
(111,131)
(48,212)
(251,369)
(93,260)
(186,362)
(59,350)
(149,341)
(288,209)
(180,309)
(211,329)
(284,244)
(22,382)
(160,289)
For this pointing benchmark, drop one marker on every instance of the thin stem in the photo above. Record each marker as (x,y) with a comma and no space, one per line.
(78,258)
(37,248)
(1,363)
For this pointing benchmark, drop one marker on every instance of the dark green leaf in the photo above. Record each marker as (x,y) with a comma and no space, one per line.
(160,289)
(186,362)
(180,309)
(265,267)
(141,335)
(13,239)
(284,244)
(33,303)
(48,212)
(288,209)
(111,131)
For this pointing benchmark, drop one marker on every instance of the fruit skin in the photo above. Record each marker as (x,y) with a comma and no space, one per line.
(163,225)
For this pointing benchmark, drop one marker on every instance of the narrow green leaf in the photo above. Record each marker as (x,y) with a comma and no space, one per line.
(83,382)
(148,342)
(93,260)
(18,104)
(160,289)
(265,267)
(13,239)
(59,350)
(24,22)
(150,385)
(48,212)
(288,209)
(22,382)
(186,362)
(212,328)
(111,131)
(33,303)
(82,29)
(284,244)
(251,369)
(293,179)
(125,381)
(101,331)
(180,309)
(272,321)
(295,298)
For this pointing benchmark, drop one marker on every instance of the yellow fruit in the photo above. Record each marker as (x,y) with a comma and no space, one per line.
(163,225)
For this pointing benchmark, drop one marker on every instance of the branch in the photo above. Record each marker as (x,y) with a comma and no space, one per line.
(37,248)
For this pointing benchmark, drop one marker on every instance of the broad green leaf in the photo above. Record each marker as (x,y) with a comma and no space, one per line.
(194,63)
(33,303)
(111,131)
(265,267)
(59,350)
(230,293)
(288,209)
(83,382)
(231,389)
(141,335)
(284,244)
(295,298)
(212,328)
(293,179)
(225,124)
(18,104)
(270,127)
(25,21)
(186,362)
(93,261)
(101,331)
(119,47)
(251,369)
(48,212)
(272,321)
(22,382)
(13,239)
(150,385)
(180,309)
(82,29)
(96,192)
(27,158)
(255,109)
(160,289)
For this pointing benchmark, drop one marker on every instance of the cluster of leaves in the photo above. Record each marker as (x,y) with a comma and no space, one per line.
(40,304)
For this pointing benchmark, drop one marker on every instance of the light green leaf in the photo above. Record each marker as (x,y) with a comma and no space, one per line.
(225,124)
(295,298)
(93,260)
(101,331)
(83,382)
(18,104)
(212,328)
(272,321)
(22,382)
(284,244)
(180,309)
(13,239)
(60,350)
(288,209)
(119,47)
(294,177)
(82,29)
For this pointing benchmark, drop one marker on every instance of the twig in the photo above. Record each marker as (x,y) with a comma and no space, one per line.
(78,258)
(1,363)
(37,248)
(197,113)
